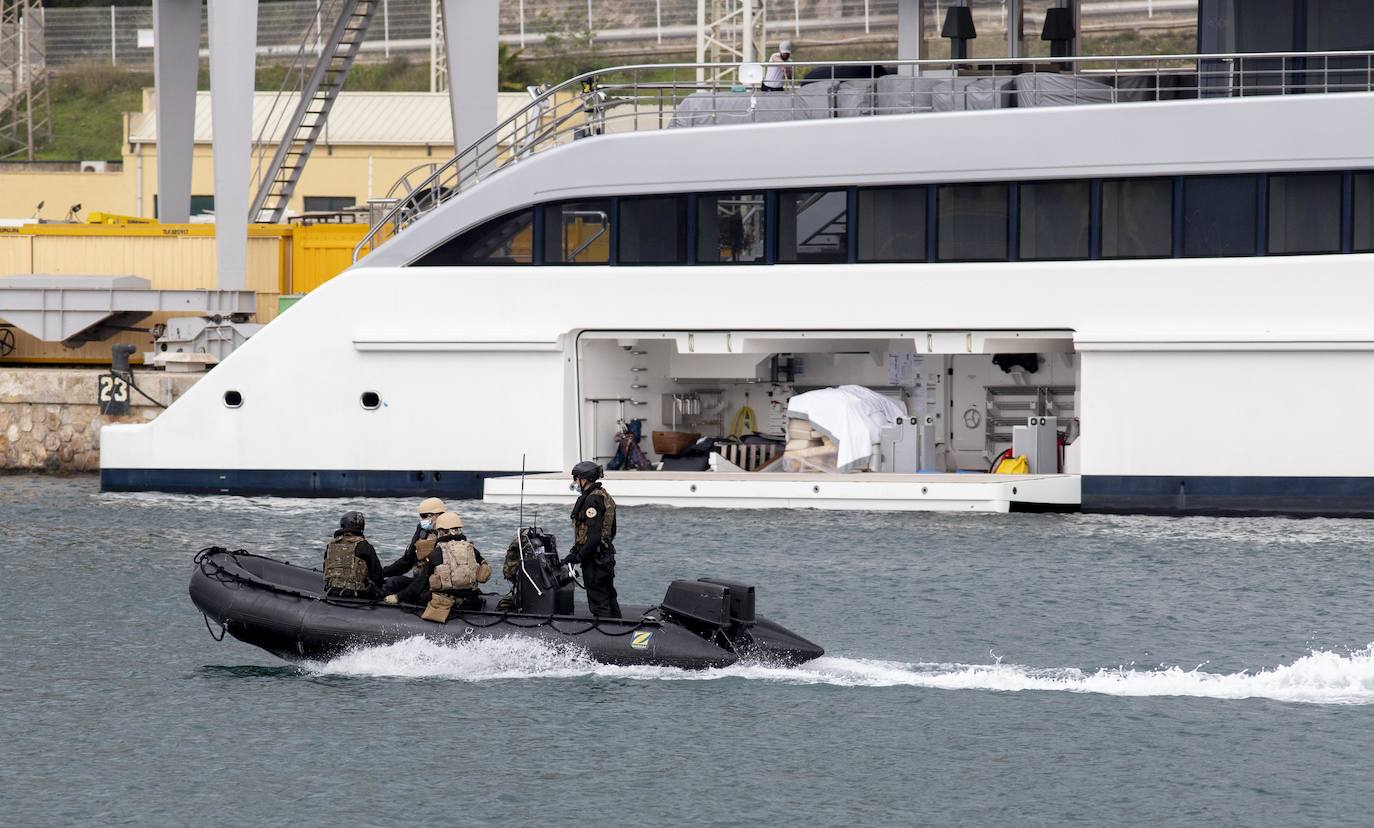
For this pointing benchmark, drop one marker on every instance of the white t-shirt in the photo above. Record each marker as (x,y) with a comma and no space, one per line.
(777,71)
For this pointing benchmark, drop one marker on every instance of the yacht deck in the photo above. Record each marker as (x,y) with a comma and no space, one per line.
(758,490)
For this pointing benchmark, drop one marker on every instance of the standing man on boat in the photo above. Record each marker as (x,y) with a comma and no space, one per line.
(778,70)
(399,572)
(593,520)
(351,568)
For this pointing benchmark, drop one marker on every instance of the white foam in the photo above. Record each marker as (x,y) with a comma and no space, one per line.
(1321,677)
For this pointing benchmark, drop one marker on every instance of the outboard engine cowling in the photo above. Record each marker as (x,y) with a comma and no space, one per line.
(741,601)
(698,604)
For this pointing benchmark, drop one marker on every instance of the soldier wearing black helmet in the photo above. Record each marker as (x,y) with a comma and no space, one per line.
(593,519)
(351,568)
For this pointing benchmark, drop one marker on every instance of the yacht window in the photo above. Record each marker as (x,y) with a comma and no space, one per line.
(731,228)
(892,224)
(1054,219)
(1340,26)
(813,226)
(506,240)
(972,222)
(1137,218)
(652,230)
(1219,215)
(577,232)
(1305,213)
(1364,212)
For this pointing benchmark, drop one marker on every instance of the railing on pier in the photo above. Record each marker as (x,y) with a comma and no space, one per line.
(653,97)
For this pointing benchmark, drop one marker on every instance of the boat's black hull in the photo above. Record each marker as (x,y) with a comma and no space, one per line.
(280,608)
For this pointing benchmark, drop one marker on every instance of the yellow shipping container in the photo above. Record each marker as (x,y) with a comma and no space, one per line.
(319,252)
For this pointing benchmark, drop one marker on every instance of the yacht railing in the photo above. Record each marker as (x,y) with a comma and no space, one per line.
(661,96)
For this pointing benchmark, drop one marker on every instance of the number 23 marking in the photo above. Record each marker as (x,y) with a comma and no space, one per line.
(113,389)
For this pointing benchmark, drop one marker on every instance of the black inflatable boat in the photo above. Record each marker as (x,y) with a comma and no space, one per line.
(282,608)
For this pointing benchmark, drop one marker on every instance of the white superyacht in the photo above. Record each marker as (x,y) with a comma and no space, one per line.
(1168,258)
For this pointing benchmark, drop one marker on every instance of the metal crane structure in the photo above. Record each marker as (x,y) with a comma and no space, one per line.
(25,109)
(730,31)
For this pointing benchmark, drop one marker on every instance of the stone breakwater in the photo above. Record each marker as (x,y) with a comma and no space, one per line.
(50,418)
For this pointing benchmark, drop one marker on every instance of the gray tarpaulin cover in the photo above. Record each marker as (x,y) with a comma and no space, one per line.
(1043,89)
(811,100)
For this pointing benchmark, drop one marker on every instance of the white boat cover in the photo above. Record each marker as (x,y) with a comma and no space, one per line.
(852,416)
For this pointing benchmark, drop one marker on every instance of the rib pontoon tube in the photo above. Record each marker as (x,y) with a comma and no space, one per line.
(281,608)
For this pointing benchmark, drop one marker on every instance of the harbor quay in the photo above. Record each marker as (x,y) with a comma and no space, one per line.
(50,418)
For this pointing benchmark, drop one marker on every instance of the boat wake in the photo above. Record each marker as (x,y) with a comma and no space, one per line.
(1321,677)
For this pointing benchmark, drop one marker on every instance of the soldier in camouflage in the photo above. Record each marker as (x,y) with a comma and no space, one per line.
(351,568)
(593,519)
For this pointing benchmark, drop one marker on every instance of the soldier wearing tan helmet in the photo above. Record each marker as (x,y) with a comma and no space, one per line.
(399,572)
(450,575)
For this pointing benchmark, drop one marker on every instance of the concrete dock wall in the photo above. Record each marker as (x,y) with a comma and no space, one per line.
(50,419)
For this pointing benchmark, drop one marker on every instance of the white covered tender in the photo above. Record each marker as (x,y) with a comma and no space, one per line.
(1045,89)
(728,107)
(852,416)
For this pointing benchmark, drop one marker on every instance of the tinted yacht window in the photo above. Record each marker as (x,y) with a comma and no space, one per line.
(577,232)
(972,222)
(813,226)
(1340,25)
(1305,213)
(652,230)
(1364,212)
(1137,218)
(1054,219)
(731,228)
(1219,215)
(506,240)
(892,224)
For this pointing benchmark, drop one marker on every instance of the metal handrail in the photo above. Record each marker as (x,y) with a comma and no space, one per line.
(650,96)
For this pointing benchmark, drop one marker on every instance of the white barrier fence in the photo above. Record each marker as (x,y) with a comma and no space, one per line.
(122,35)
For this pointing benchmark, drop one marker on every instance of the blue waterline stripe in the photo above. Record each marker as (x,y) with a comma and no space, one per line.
(1118,494)
(301,483)
(1230,496)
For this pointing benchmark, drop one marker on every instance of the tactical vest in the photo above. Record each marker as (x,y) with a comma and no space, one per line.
(598,499)
(459,569)
(343,569)
(423,546)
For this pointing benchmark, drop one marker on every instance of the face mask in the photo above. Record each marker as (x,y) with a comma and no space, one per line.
(426,525)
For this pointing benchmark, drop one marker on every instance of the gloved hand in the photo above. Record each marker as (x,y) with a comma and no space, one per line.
(392,599)
(570,559)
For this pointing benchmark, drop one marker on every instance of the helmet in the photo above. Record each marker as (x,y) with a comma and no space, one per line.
(785,47)
(587,470)
(431,506)
(448,520)
(352,522)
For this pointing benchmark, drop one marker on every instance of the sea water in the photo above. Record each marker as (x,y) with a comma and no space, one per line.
(980,669)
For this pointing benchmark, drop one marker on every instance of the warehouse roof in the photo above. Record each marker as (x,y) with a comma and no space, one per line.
(372,118)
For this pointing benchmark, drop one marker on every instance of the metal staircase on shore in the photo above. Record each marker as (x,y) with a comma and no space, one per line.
(318,93)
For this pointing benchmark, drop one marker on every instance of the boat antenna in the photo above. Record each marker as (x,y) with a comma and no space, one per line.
(522,495)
